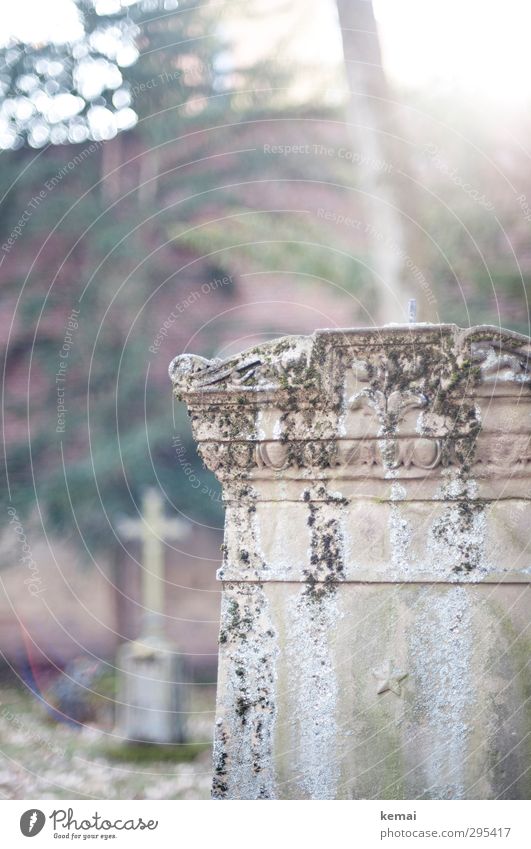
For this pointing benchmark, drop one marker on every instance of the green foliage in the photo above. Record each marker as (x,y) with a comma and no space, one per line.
(248,240)
(56,92)
(118,438)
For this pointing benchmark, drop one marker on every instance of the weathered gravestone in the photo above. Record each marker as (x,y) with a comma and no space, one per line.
(375,573)
(150,704)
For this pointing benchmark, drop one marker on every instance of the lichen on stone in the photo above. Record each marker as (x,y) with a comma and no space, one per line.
(244,733)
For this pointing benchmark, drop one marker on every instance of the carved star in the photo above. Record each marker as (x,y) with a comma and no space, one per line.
(389,678)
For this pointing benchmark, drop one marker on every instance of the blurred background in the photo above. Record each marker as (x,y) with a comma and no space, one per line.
(203,177)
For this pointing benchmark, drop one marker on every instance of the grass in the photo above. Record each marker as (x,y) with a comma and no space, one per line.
(154,753)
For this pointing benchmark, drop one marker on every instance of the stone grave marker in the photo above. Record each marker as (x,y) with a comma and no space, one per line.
(151,690)
(376,562)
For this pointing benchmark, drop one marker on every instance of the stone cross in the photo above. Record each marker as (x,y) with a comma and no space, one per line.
(151,694)
(152,529)
(376,563)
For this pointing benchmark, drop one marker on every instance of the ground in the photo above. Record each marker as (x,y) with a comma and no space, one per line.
(40,759)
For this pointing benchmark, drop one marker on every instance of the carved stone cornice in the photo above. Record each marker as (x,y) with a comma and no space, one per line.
(367,405)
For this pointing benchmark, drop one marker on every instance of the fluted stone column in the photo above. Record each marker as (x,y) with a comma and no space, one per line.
(375,572)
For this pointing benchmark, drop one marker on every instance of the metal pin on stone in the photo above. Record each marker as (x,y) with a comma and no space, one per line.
(412,311)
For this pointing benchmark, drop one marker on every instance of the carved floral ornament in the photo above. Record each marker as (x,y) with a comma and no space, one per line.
(387,399)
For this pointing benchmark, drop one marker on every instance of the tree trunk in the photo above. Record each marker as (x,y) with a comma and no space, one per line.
(386,195)
(111,160)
